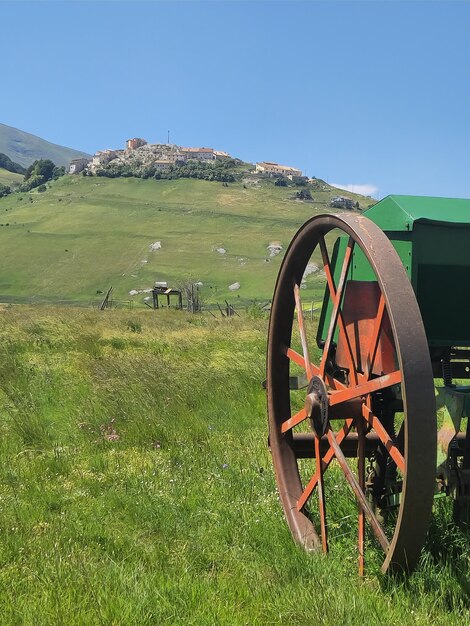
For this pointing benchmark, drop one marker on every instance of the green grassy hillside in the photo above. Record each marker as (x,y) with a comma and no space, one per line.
(24,148)
(10,178)
(84,234)
(136,487)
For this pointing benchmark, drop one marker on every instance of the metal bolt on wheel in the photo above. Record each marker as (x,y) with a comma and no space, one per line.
(369,393)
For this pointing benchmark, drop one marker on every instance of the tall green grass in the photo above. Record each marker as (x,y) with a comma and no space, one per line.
(136,486)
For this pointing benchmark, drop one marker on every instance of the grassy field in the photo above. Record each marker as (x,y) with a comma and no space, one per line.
(85,234)
(10,178)
(136,486)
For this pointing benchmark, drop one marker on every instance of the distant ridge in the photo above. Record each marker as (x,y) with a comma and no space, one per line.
(24,148)
(7,164)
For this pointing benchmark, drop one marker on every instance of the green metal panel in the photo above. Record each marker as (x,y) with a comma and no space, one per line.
(360,266)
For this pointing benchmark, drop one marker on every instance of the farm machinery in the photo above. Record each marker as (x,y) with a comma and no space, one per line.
(374,392)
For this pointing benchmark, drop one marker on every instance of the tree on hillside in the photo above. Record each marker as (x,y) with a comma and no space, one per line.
(40,172)
(58,171)
(40,167)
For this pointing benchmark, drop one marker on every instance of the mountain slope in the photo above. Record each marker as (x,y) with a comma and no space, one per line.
(7,164)
(24,148)
(85,234)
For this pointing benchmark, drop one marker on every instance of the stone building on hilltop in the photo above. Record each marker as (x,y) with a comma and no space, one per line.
(102,157)
(220,155)
(133,144)
(200,154)
(78,165)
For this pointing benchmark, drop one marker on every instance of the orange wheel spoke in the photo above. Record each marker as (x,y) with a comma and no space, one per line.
(294,420)
(374,341)
(342,325)
(340,436)
(361,470)
(303,335)
(299,359)
(336,299)
(387,380)
(307,492)
(361,498)
(327,268)
(384,437)
(321,496)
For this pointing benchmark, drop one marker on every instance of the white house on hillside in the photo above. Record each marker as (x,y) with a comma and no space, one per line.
(266,167)
(163,165)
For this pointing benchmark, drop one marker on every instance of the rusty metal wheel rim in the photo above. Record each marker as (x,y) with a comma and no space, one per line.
(402,549)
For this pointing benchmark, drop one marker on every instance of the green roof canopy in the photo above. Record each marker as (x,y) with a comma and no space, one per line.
(398,213)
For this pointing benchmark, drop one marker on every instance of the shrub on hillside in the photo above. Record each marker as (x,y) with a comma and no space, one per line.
(215,171)
(118,170)
(4,190)
(58,171)
(221,171)
(31,183)
(304,194)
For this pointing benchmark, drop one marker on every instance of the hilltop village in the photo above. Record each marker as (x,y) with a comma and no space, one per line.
(163,157)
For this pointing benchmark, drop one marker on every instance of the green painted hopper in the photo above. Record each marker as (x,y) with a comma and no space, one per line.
(432,238)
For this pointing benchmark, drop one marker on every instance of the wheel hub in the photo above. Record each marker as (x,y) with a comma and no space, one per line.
(316,405)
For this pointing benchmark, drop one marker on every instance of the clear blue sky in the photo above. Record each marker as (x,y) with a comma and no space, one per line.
(362,93)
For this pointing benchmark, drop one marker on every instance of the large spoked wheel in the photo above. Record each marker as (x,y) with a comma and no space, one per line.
(366,410)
